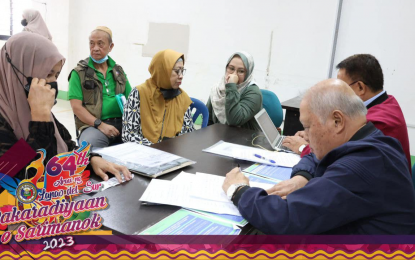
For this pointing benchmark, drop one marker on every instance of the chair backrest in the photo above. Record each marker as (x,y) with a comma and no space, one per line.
(200,109)
(272,105)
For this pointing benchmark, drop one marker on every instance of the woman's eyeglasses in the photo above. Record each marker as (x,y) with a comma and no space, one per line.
(180,71)
(231,69)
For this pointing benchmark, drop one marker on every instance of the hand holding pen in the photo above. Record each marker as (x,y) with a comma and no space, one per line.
(235,176)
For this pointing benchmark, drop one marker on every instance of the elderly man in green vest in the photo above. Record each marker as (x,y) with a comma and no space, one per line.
(93,85)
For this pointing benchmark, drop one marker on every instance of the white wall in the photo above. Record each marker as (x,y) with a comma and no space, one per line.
(217,29)
(56,16)
(303,33)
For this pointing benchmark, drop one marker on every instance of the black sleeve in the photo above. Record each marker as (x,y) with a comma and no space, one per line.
(238,195)
(210,109)
(41,135)
(306,175)
(306,167)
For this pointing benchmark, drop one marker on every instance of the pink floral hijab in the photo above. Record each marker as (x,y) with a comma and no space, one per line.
(35,23)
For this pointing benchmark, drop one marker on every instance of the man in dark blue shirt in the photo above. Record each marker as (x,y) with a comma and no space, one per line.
(361,183)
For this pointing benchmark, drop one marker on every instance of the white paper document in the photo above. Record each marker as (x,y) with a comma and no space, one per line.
(141,154)
(254,154)
(184,177)
(179,194)
(209,187)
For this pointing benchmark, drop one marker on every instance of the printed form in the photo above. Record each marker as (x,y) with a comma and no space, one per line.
(254,154)
(179,194)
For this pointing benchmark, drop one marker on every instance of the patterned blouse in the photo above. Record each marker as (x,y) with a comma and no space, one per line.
(131,126)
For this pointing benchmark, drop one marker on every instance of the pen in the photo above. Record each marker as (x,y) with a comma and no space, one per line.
(263,158)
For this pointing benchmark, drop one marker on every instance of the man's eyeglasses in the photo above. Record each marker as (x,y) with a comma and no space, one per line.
(231,69)
(351,84)
(180,71)
(356,82)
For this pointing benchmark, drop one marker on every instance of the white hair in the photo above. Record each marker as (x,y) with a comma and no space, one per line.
(108,35)
(324,101)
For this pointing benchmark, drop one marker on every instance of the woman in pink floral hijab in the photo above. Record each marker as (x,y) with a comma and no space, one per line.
(35,23)
(29,67)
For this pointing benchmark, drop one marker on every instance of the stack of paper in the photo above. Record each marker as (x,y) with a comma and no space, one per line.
(208,210)
(142,159)
(209,187)
(198,191)
(179,194)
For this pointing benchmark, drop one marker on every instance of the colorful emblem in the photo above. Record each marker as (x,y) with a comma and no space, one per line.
(26,192)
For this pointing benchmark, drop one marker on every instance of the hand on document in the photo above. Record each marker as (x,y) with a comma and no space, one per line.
(286,187)
(234,177)
(101,167)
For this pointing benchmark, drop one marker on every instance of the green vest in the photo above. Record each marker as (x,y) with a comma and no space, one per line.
(92,89)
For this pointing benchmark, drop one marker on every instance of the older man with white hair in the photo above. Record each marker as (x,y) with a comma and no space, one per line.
(360,183)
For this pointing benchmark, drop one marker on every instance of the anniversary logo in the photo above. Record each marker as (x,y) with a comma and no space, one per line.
(45,204)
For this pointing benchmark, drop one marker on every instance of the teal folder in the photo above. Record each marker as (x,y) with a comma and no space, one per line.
(121,102)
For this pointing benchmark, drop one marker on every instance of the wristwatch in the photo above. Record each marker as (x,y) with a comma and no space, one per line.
(232,189)
(97,122)
(301,148)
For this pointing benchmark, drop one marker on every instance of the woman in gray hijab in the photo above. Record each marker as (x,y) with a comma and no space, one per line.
(236,99)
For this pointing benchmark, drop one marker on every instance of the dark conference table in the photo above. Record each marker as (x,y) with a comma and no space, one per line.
(126,215)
